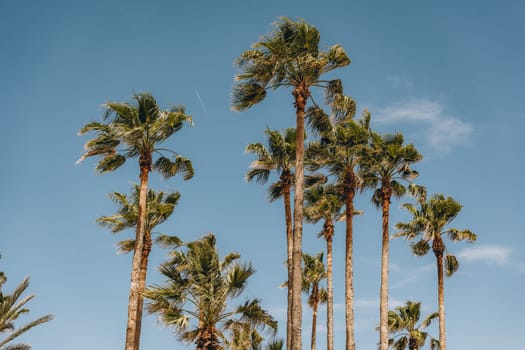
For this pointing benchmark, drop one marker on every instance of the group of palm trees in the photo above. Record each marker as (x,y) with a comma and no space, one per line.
(195,299)
(355,158)
(344,158)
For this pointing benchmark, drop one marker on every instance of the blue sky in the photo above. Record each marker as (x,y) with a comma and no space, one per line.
(447,74)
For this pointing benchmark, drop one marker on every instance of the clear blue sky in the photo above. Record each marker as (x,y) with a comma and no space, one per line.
(448,74)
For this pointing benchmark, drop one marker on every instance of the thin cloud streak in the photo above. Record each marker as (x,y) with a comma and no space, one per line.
(442,130)
(201,101)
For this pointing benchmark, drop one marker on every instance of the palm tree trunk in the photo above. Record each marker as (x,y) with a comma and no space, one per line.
(439,248)
(142,280)
(135,299)
(289,245)
(330,293)
(207,339)
(314,321)
(412,344)
(383,302)
(349,268)
(301,95)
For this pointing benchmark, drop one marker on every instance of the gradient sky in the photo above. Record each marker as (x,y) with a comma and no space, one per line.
(447,74)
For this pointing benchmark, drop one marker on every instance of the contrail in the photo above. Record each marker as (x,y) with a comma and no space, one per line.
(201,101)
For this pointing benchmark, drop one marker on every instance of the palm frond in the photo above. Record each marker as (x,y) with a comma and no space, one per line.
(421,247)
(245,95)
(169,168)
(126,246)
(451,265)
(110,162)
(167,241)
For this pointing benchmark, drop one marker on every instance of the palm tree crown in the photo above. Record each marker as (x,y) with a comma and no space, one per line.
(194,300)
(403,323)
(279,156)
(136,130)
(12,306)
(159,206)
(388,163)
(429,222)
(287,57)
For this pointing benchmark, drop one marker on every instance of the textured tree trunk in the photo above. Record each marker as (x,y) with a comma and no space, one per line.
(349,268)
(383,294)
(289,245)
(412,344)
(314,318)
(208,340)
(142,280)
(301,95)
(135,298)
(329,288)
(439,248)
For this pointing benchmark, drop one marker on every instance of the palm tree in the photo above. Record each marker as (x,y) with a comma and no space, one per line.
(324,202)
(12,307)
(194,300)
(279,156)
(313,274)
(289,56)
(403,322)
(430,221)
(136,130)
(159,207)
(387,163)
(340,152)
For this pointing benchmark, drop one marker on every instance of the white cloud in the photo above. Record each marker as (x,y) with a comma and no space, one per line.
(492,254)
(489,253)
(443,131)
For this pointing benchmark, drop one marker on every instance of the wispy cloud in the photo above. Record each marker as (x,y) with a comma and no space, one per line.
(442,130)
(491,254)
(488,253)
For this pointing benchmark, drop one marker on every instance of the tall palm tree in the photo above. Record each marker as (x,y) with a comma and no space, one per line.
(132,130)
(388,162)
(289,56)
(324,202)
(12,307)
(195,299)
(159,207)
(314,273)
(340,152)
(430,221)
(279,157)
(403,323)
